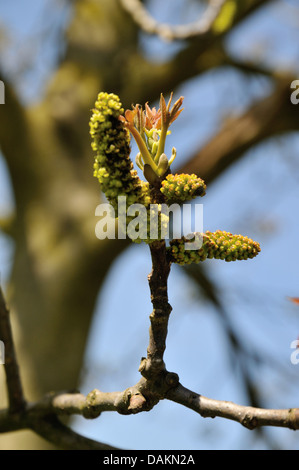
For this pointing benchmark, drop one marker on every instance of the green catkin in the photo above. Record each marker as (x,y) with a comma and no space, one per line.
(181,188)
(111,141)
(219,245)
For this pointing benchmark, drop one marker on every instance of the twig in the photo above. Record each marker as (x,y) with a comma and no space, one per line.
(11,422)
(50,428)
(162,309)
(248,416)
(14,386)
(57,433)
(169,33)
(93,404)
(90,406)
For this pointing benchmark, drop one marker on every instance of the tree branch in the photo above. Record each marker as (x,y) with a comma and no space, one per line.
(167,32)
(196,30)
(57,433)
(248,416)
(14,386)
(40,416)
(90,406)
(270,116)
(48,426)
(154,363)
(14,141)
(189,62)
(156,384)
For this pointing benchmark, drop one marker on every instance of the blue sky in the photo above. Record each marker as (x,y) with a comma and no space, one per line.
(257,197)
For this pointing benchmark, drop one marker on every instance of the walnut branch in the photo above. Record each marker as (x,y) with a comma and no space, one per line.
(14,386)
(248,416)
(167,32)
(155,384)
(46,424)
(21,415)
(125,402)
(159,317)
(62,436)
(270,116)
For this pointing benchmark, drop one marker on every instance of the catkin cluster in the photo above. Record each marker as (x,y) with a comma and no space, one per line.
(181,188)
(218,245)
(111,141)
(110,130)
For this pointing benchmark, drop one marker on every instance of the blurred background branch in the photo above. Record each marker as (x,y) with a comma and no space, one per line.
(148,24)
